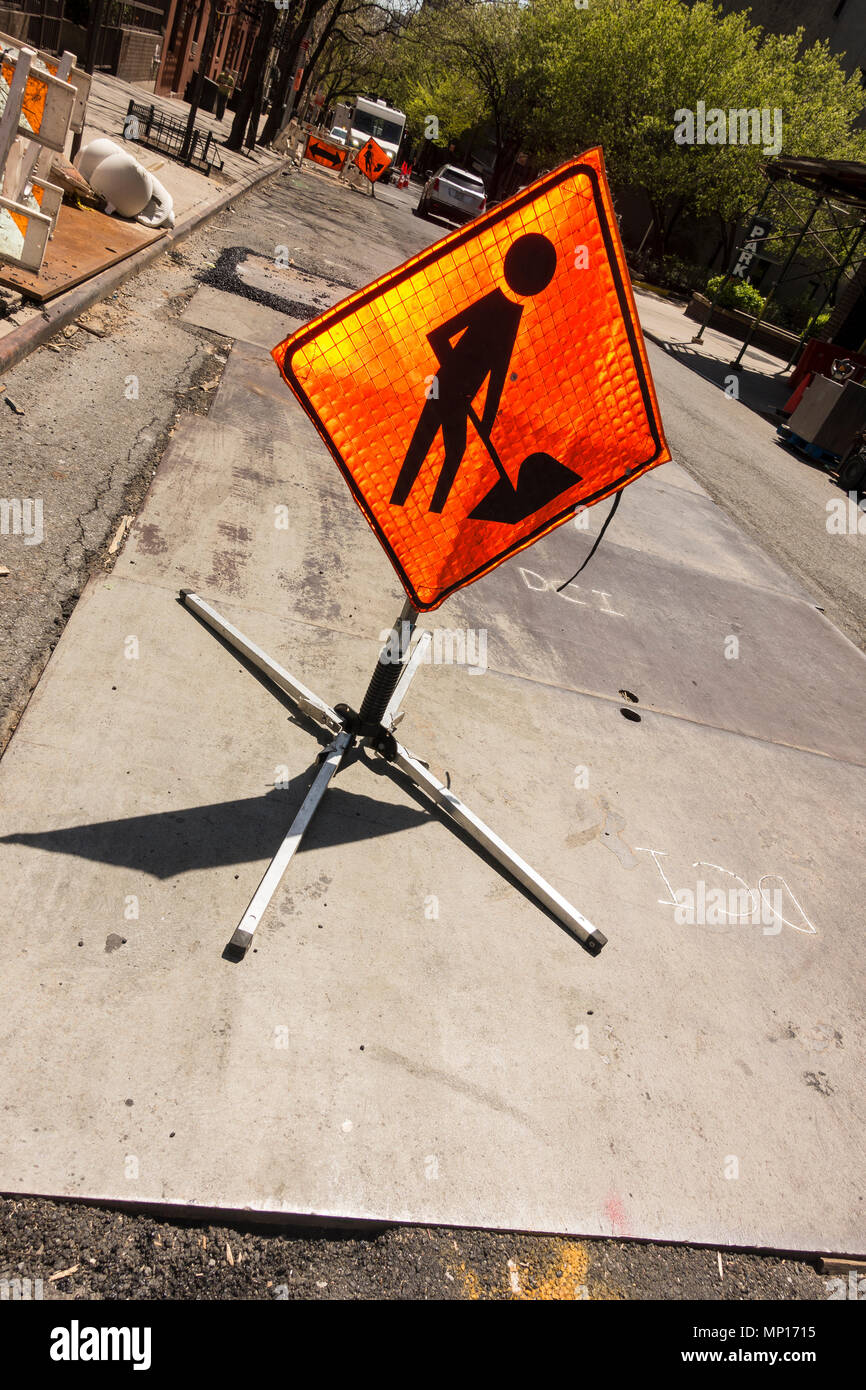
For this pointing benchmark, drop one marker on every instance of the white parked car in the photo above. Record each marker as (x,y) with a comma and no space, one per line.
(338,134)
(453,193)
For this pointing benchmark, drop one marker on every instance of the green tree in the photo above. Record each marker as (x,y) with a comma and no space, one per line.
(616,74)
(552,79)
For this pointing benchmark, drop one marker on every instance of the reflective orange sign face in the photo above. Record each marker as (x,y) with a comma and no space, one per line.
(372,160)
(35,94)
(323,152)
(477,396)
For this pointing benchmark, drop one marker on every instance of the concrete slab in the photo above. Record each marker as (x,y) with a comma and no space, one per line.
(410,1038)
(656,516)
(276,530)
(673,475)
(236,317)
(290,283)
(252,370)
(685,641)
(254,397)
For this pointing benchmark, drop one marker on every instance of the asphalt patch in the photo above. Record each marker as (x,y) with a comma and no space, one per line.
(224,276)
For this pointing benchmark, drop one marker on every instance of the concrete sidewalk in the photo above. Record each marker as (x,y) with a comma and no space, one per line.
(760,381)
(106,113)
(410,1039)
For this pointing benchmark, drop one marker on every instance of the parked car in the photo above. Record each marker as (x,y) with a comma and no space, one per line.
(453,193)
(852,469)
(338,134)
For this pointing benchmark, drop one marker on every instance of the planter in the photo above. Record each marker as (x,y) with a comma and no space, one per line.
(777,341)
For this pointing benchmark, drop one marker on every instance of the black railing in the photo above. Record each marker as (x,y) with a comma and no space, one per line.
(159,131)
(119,14)
(52,25)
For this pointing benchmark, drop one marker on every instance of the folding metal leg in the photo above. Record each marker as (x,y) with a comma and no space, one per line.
(379,709)
(307,702)
(574,922)
(392,709)
(270,883)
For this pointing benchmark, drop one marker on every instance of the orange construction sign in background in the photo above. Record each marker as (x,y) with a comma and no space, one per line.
(478,395)
(372,160)
(323,152)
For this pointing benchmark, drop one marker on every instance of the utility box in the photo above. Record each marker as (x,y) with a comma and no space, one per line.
(830,414)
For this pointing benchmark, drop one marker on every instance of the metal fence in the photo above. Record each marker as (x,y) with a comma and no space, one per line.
(159,131)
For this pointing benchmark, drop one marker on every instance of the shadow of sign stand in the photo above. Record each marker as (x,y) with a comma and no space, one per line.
(491,305)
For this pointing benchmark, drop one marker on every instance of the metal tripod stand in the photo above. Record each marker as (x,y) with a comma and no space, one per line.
(373,727)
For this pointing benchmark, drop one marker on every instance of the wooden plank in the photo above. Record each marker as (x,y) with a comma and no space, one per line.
(839,1265)
(85,242)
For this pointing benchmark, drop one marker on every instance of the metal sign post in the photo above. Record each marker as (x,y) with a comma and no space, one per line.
(373,727)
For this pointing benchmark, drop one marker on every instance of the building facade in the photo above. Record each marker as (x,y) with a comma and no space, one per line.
(130,39)
(186,26)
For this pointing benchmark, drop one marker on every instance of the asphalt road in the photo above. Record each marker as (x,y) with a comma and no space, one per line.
(86,442)
(775,497)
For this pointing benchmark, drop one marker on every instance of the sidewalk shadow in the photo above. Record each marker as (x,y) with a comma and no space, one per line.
(167,843)
(765,395)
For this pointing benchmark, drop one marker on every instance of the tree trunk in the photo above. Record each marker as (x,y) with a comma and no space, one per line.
(657,237)
(252,92)
(281,88)
(507,150)
(671,223)
(286,74)
(317,52)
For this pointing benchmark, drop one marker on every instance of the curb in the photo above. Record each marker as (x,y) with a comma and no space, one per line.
(65,307)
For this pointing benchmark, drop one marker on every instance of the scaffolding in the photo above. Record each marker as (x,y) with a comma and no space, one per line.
(839,187)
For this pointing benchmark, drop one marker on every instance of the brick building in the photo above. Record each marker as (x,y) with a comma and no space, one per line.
(130,40)
(186,26)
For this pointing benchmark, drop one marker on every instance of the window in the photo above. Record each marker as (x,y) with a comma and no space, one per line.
(462,178)
(377,126)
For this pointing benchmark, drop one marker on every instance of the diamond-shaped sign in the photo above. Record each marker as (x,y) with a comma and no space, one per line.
(478,395)
(372,160)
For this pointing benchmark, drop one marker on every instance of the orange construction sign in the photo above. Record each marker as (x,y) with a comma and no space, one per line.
(372,160)
(478,395)
(323,152)
(34,97)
